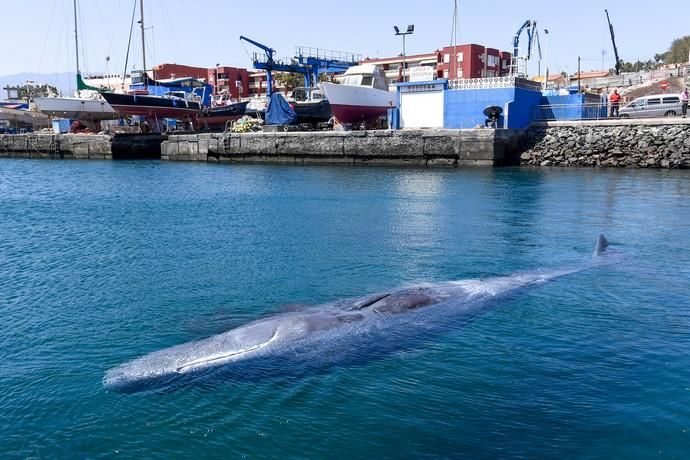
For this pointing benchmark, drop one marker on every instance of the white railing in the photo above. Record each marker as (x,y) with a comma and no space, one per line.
(508,81)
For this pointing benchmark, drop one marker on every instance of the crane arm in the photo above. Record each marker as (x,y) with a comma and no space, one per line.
(613,41)
(516,38)
(269,51)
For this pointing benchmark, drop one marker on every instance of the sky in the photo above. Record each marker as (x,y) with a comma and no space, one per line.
(206,32)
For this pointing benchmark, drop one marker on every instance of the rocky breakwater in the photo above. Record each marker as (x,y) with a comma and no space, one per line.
(637,144)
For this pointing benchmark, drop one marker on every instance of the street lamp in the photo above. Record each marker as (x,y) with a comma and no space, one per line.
(410,31)
(215,86)
(546,56)
(107,72)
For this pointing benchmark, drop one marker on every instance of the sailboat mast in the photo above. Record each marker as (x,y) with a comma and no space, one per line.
(76,44)
(143,41)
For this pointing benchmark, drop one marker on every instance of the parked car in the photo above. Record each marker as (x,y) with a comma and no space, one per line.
(656,105)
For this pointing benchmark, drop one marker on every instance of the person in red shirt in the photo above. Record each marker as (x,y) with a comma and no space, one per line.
(615,100)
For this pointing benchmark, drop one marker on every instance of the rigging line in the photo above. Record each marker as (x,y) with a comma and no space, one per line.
(153,37)
(82,34)
(129,43)
(45,39)
(171,32)
(112,31)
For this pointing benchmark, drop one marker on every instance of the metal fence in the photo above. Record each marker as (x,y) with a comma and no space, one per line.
(562,112)
(326,55)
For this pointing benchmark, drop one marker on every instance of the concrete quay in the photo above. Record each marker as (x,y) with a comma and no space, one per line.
(432,148)
(56,146)
(81,146)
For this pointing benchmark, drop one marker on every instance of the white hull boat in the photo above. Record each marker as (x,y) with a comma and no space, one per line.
(75,108)
(362,96)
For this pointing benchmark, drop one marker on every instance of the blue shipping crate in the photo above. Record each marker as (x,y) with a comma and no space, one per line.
(61,125)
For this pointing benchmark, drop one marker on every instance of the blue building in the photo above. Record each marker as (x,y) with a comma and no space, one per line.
(460,104)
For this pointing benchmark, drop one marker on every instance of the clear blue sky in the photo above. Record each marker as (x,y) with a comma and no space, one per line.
(40,32)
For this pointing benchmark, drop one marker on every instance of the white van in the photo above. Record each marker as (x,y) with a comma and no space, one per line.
(656,105)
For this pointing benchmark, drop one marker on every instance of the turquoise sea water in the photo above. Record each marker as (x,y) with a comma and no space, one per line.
(102,262)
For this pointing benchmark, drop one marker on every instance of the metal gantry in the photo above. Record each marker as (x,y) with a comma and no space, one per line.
(308,62)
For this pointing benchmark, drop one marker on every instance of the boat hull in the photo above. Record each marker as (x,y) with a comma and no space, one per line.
(75,108)
(217,117)
(354,104)
(152,106)
(313,112)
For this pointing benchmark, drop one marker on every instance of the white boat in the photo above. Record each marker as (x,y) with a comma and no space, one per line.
(362,95)
(75,108)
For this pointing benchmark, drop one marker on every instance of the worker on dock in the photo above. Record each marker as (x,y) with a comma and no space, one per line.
(615,100)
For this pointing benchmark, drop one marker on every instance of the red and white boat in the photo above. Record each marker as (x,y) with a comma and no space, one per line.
(362,95)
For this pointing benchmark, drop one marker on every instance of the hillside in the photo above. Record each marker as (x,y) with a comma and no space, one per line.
(676,85)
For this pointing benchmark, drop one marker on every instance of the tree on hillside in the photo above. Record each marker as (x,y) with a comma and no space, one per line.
(289,80)
(639,66)
(678,52)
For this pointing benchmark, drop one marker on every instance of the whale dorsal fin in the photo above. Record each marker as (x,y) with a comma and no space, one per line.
(602,244)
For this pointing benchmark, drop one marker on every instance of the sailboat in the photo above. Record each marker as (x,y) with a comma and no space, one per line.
(174,104)
(77,108)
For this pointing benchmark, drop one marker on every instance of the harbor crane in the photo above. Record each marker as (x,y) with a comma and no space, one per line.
(613,41)
(269,64)
(532,36)
(308,62)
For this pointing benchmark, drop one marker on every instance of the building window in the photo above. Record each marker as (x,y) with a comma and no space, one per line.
(459,73)
(445,73)
(446,58)
(460,56)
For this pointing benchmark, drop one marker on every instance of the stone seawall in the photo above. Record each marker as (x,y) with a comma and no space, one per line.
(56,146)
(449,148)
(630,145)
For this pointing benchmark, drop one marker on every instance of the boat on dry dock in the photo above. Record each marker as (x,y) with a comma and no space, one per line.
(362,95)
(311,106)
(222,110)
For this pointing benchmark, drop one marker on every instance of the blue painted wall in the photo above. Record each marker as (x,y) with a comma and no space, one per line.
(571,107)
(464,107)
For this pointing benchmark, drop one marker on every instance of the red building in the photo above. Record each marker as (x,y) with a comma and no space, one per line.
(473,61)
(166,71)
(232,80)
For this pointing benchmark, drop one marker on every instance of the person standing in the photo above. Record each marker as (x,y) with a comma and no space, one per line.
(684,97)
(615,100)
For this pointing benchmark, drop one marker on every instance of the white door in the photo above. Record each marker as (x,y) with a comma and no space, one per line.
(421,109)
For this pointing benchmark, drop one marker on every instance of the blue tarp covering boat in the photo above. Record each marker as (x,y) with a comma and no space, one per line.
(279,111)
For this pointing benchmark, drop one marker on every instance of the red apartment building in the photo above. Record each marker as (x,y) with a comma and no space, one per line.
(235,81)
(471,61)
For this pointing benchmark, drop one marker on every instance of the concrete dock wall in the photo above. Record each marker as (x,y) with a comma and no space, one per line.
(56,146)
(447,148)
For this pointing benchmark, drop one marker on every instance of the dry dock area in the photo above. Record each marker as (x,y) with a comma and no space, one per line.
(444,148)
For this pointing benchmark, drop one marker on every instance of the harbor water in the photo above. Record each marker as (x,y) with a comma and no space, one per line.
(103,262)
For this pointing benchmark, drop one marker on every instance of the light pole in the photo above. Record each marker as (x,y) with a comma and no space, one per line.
(215,86)
(410,31)
(546,58)
(107,73)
